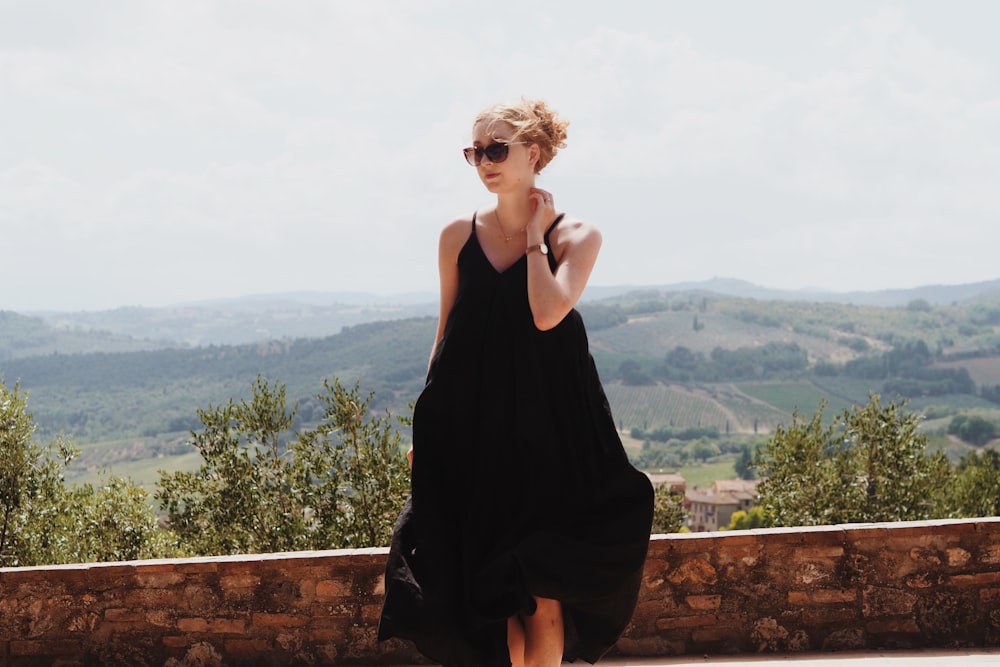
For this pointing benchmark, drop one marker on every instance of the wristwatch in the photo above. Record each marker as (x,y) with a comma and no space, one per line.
(540,247)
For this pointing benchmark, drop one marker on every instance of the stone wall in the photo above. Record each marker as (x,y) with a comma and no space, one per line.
(904,585)
(893,585)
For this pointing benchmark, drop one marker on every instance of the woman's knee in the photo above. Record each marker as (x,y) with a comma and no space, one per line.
(544,634)
(547,611)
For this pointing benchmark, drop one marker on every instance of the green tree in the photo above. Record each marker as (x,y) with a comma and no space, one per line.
(631,373)
(976,489)
(972,429)
(796,487)
(45,521)
(37,514)
(702,449)
(248,496)
(17,459)
(669,514)
(869,465)
(894,477)
(264,488)
(744,464)
(115,523)
(364,452)
(756,517)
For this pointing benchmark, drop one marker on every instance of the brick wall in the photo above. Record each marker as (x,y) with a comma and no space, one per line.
(903,585)
(894,585)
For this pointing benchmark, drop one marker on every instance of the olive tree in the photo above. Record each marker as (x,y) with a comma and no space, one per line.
(247,496)
(976,490)
(46,521)
(797,483)
(263,487)
(869,464)
(360,454)
(669,515)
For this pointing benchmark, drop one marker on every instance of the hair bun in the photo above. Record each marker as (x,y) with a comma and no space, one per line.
(550,123)
(534,122)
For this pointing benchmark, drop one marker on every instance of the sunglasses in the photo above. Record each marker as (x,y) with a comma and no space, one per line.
(494,152)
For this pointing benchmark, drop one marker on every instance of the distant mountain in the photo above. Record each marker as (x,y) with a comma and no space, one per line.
(320,299)
(935,295)
(247,319)
(27,336)
(732,363)
(292,315)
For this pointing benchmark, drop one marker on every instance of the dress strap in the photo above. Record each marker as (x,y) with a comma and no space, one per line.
(553,226)
(552,259)
(472,229)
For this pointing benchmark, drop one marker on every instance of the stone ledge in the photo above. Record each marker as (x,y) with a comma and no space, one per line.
(858,586)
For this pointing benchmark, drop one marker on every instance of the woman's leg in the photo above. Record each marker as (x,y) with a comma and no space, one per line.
(544,635)
(515,641)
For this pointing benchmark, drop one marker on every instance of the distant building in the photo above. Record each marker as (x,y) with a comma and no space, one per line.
(673,480)
(712,509)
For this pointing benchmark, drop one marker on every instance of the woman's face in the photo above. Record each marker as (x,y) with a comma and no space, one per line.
(512,173)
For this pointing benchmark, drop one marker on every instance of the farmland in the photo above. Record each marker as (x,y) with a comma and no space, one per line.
(723,407)
(669,360)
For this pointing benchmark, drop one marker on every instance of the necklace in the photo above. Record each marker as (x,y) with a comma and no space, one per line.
(506,239)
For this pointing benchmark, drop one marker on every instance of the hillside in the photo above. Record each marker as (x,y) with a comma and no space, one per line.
(231,322)
(102,396)
(266,317)
(29,335)
(635,340)
(734,367)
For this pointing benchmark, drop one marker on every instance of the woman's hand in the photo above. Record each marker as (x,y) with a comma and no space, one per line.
(545,213)
(574,245)
(409,456)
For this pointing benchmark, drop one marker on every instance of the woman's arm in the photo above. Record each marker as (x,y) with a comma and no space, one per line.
(453,237)
(449,245)
(575,245)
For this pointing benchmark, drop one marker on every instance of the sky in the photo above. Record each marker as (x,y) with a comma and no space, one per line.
(155,153)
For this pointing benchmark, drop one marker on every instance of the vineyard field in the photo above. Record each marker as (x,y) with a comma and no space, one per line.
(847,389)
(788,397)
(721,406)
(655,334)
(747,414)
(650,407)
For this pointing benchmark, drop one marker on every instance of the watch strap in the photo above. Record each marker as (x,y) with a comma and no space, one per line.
(540,247)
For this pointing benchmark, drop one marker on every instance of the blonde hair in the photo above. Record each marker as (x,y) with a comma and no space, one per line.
(533,122)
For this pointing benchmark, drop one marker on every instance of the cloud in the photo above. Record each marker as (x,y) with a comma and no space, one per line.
(158,152)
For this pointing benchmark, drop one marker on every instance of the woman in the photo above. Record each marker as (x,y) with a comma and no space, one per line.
(526,531)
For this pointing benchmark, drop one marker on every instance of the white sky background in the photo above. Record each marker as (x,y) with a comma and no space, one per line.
(160,152)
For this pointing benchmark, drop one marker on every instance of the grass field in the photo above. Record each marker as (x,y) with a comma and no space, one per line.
(702,475)
(143,472)
(982,370)
(631,445)
(802,396)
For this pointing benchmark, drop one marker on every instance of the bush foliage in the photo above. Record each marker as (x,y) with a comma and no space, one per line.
(45,521)
(263,487)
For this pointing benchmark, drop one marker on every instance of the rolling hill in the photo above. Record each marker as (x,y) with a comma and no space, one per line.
(669,359)
(265,317)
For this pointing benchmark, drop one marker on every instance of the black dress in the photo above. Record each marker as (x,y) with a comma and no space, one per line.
(520,485)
